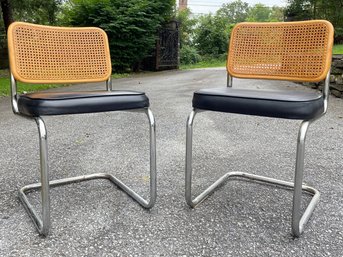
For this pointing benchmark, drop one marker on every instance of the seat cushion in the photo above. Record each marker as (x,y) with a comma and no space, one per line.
(268,103)
(51,103)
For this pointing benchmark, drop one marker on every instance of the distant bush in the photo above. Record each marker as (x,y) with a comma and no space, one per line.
(189,55)
(131,25)
(212,35)
(339,35)
(210,58)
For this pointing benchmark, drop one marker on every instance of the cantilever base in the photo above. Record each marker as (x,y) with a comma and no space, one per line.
(289,185)
(54,183)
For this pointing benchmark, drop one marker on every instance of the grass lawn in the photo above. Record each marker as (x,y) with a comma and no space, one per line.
(23,87)
(204,64)
(338,49)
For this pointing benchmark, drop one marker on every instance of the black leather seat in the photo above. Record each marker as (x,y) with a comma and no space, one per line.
(271,103)
(38,104)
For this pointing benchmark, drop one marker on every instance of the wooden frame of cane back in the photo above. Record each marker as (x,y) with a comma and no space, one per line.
(46,54)
(295,51)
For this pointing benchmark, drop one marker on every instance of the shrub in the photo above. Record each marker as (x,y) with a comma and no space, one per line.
(131,25)
(339,35)
(189,55)
(212,35)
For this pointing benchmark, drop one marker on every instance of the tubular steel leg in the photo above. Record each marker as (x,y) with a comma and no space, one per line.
(43,224)
(109,84)
(298,221)
(152,199)
(189,139)
(153,176)
(229,80)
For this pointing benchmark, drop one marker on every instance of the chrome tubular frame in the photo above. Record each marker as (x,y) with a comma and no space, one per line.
(43,224)
(298,221)
(14,96)
(229,80)
(326,92)
(109,84)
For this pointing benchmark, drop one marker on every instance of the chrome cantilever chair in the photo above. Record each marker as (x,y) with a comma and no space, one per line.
(293,51)
(45,54)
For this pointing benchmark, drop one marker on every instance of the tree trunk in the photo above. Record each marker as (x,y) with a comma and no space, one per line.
(314,9)
(6,13)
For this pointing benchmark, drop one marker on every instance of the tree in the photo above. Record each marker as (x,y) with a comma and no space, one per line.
(259,12)
(234,12)
(212,35)
(317,9)
(131,25)
(277,14)
(187,24)
(6,13)
(298,10)
(37,11)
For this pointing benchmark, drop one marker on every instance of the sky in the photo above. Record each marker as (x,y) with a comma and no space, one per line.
(206,6)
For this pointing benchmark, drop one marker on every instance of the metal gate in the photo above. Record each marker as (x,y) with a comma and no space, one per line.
(167,48)
(165,56)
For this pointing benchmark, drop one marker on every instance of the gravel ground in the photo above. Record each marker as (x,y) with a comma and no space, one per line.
(240,219)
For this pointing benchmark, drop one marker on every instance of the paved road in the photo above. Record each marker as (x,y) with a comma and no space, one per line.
(241,219)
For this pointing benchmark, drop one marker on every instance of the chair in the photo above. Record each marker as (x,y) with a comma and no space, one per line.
(46,54)
(292,51)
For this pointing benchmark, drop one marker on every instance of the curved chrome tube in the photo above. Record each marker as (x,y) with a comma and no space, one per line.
(14,97)
(298,220)
(43,224)
(229,80)
(326,91)
(189,146)
(109,84)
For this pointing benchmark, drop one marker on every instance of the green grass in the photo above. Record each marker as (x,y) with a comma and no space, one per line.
(120,75)
(338,49)
(26,88)
(23,87)
(212,63)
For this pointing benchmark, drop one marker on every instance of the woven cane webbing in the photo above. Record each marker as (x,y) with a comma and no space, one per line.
(296,51)
(46,54)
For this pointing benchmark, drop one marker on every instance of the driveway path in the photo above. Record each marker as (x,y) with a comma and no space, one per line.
(241,219)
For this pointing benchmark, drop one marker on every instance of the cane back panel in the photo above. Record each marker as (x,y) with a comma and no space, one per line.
(296,51)
(46,54)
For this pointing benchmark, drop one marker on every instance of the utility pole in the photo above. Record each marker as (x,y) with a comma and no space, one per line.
(182,4)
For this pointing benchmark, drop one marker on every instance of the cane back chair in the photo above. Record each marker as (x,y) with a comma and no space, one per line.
(46,54)
(292,51)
